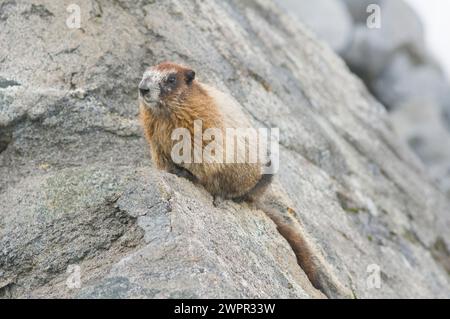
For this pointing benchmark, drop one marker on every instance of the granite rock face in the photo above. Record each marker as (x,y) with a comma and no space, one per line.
(84,213)
(393,60)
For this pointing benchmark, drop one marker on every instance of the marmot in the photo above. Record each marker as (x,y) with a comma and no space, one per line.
(170,97)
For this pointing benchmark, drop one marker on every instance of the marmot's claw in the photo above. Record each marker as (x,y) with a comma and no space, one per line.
(184,173)
(217,201)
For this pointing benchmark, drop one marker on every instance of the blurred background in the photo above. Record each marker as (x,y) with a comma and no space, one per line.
(404,60)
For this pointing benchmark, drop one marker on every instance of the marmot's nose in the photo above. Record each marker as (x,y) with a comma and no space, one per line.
(143,88)
(144,91)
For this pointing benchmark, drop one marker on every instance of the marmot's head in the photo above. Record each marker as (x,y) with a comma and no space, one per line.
(165,85)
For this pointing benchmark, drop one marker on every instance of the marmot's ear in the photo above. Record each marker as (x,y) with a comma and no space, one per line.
(190,76)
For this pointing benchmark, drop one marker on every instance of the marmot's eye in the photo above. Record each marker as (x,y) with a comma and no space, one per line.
(171,79)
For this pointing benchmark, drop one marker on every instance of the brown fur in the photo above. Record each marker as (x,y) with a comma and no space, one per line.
(180,108)
(188,102)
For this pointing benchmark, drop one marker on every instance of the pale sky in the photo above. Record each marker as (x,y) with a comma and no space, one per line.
(436,20)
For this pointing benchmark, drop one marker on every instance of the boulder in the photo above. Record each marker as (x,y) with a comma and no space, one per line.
(330,20)
(85,214)
(371,48)
(419,123)
(403,80)
(358,9)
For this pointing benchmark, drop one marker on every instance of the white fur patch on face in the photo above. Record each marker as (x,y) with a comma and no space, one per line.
(157,76)
(151,80)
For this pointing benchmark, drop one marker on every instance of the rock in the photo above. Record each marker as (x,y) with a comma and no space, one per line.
(404,80)
(419,122)
(371,49)
(330,20)
(446,113)
(141,234)
(394,63)
(81,199)
(358,9)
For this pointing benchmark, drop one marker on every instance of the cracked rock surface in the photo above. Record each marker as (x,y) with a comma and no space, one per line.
(77,186)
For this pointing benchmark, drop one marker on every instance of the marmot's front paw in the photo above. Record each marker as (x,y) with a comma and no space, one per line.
(184,173)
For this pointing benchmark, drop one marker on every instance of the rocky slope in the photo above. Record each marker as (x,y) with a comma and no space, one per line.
(77,186)
(396,66)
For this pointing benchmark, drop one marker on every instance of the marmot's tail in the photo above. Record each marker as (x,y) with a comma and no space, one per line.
(278,207)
